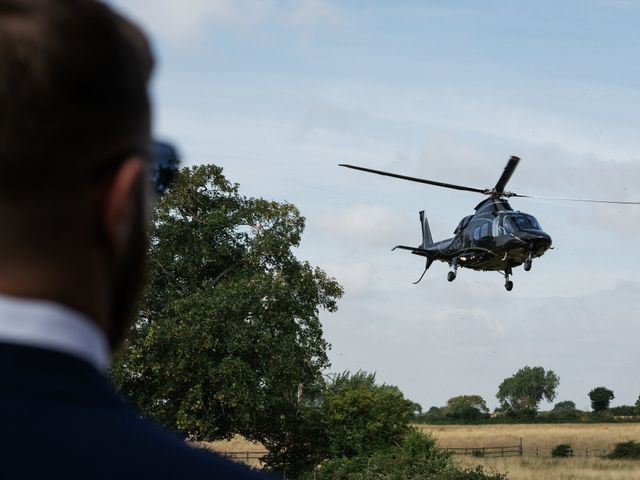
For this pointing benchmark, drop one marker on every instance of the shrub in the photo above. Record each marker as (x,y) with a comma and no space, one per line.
(628,450)
(415,458)
(562,450)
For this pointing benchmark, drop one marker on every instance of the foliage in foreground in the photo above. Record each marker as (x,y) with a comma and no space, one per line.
(362,417)
(350,416)
(416,457)
(228,338)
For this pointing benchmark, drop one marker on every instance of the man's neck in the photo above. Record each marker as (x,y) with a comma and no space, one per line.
(51,326)
(75,284)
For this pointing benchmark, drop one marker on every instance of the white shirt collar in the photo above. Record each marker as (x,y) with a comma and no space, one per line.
(52,326)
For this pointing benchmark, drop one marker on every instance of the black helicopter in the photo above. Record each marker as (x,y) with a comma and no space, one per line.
(494,238)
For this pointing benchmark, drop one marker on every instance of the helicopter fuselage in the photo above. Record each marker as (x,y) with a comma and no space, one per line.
(495,238)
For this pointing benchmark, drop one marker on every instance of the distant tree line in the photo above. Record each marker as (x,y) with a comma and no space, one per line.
(520,396)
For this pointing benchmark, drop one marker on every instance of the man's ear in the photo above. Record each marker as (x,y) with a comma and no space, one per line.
(121,203)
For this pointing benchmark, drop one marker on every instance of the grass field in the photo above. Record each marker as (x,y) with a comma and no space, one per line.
(595,437)
(539,468)
(236,444)
(598,438)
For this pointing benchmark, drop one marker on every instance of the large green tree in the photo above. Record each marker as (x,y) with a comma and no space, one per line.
(600,398)
(228,338)
(467,407)
(521,394)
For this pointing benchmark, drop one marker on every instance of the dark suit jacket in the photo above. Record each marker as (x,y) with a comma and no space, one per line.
(60,418)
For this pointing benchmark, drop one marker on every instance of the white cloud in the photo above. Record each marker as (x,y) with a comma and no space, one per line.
(307,15)
(366,224)
(357,278)
(442,339)
(189,20)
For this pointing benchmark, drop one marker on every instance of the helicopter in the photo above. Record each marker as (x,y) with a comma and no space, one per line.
(494,238)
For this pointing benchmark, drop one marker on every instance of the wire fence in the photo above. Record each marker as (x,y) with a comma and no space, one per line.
(501,451)
(577,452)
(244,456)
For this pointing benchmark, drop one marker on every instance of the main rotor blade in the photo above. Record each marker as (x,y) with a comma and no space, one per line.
(582,200)
(414,179)
(506,175)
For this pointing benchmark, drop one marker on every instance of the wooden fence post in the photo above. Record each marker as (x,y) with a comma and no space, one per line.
(521,449)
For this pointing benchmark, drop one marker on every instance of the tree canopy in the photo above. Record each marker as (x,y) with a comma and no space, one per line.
(600,398)
(521,394)
(467,407)
(564,406)
(362,416)
(228,338)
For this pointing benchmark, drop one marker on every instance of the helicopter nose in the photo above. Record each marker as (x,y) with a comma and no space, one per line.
(541,240)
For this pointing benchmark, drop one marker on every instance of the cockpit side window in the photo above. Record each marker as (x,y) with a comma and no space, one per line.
(463,223)
(496,227)
(509,225)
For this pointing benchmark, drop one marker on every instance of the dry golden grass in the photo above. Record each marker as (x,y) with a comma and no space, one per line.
(236,444)
(596,437)
(538,468)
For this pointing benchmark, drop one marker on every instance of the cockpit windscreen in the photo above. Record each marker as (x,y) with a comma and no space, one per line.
(523,222)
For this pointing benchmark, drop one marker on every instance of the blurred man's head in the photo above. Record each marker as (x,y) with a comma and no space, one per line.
(74,132)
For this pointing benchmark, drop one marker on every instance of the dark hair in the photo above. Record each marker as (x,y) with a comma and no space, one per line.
(73,88)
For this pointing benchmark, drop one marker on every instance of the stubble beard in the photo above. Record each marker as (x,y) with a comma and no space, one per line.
(128,281)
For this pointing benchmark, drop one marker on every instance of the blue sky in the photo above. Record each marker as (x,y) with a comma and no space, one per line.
(279,92)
